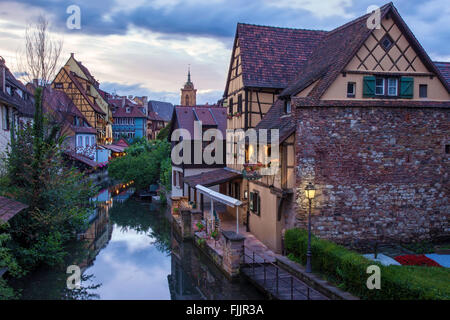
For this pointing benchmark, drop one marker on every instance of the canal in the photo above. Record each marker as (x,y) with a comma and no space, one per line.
(130,252)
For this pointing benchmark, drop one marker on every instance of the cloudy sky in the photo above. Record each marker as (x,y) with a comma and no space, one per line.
(144,47)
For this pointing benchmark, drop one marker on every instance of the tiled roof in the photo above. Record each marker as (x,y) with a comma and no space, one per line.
(80,158)
(163,109)
(86,72)
(209,115)
(211,178)
(9,208)
(444,68)
(24,106)
(272,56)
(154,116)
(135,112)
(336,49)
(275,119)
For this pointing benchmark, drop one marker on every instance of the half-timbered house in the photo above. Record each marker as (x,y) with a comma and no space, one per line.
(370,112)
(82,88)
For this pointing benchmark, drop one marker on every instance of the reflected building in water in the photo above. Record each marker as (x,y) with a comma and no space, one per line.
(194,277)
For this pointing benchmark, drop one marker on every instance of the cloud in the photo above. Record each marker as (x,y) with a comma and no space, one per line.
(139,89)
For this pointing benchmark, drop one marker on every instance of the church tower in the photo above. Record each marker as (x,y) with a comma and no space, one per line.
(188,93)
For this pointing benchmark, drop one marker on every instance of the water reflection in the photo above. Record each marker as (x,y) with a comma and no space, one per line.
(194,276)
(126,254)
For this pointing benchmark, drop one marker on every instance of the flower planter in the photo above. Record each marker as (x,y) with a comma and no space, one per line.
(416,260)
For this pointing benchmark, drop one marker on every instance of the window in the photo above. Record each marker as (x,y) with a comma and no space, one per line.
(231,106)
(387,42)
(80,141)
(423,91)
(351,89)
(8,90)
(5,118)
(379,86)
(447,148)
(86,141)
(255,202)
(239,103)
(92,141)
(287,106)
(237,191)
(392,87)
(58,85)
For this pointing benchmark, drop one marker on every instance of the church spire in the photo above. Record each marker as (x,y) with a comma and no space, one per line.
(189,74)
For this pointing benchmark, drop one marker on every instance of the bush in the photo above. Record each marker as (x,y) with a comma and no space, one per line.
(142,164)
(347,269)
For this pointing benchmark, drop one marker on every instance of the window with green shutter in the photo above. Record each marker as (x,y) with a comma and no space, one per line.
(368,86)
(407,87)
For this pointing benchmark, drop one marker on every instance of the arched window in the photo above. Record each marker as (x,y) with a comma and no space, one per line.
(187,100)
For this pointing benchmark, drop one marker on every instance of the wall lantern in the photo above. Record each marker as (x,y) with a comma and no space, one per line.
(310,191)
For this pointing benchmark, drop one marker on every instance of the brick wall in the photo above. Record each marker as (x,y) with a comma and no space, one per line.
(380,172)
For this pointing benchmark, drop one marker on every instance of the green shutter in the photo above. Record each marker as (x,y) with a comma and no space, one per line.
(251,201)
(407,87)
(368,86)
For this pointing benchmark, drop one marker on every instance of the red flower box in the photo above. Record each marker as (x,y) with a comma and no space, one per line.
(416,260)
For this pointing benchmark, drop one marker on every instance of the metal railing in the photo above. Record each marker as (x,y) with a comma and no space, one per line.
(289,280)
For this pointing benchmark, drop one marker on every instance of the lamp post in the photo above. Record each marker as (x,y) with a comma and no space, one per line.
(310,192)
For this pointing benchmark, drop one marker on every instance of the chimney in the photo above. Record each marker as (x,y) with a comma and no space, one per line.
(2,74)
(123,102)
(72,55)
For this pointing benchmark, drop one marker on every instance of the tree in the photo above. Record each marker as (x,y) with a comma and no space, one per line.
(142,164)
(42,52)
(58,196)
(163,134)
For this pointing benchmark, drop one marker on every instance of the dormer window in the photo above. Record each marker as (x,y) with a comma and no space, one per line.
(8,90)
(287,106)
(128,110)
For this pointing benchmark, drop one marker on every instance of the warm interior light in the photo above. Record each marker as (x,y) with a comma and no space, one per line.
(310,191)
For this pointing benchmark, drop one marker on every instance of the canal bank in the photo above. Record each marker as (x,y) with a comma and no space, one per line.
(130,252)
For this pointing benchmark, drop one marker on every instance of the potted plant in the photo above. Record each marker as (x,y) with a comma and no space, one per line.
(200,226)
(215,236)
(175,210)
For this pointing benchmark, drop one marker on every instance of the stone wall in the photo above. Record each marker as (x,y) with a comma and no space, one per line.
(381,173)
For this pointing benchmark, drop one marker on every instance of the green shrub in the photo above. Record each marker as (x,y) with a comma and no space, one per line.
(347,269)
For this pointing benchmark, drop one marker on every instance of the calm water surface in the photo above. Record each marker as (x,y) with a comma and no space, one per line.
(129,252)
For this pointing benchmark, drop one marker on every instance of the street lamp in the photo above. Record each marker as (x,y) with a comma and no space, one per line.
(310,192)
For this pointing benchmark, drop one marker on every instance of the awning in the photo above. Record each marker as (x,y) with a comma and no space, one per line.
(219,197)
(81,158)
(115,148)
(9,208)
(212,178)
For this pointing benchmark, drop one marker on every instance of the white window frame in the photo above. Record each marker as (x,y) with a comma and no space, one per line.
(377,86)
(389,86)
(353,93)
